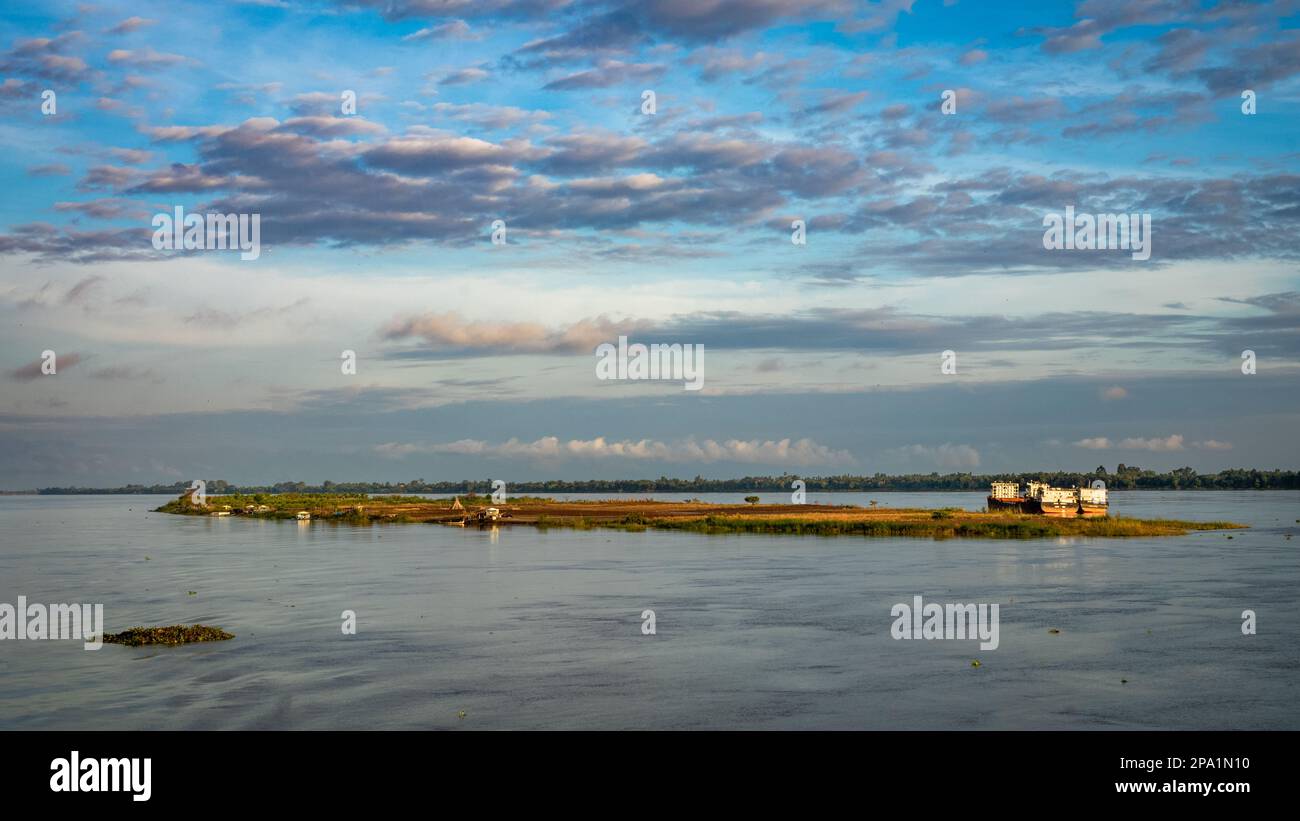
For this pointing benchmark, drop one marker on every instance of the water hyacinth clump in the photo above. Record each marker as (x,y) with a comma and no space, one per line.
(172,636)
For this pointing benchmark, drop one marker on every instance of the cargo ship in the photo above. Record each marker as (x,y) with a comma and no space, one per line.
(1043,499)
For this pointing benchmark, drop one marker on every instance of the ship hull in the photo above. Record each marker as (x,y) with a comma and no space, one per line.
(1062,511)
(1065,510)
(1015,504)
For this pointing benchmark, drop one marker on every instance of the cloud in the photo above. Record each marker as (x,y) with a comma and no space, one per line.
(492,117)
(451,30)
(117,373)
(318,178)
(717,19)
(131,24)
(50,170)
(1102,17)
(45,58)
(78,293)
(144,58)
(608,73)
(1094,443)
(32,370)
(396,10)
(947,455)
(716,64)
(463,76)
(332,126)
(1212,444)
(1114,392)
(783,452)
(451,331)
(1168,443)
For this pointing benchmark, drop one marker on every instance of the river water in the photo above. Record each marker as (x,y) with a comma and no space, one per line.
(519,628)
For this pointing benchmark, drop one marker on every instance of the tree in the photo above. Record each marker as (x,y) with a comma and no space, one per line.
(753,500)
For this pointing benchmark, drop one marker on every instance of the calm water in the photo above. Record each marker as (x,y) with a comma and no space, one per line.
(527,629)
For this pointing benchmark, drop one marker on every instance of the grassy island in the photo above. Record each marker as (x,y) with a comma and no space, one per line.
(689,515)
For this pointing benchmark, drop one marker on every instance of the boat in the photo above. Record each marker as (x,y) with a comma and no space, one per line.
(1042,499)
(1005,496)
(1046,500)
(1093,500)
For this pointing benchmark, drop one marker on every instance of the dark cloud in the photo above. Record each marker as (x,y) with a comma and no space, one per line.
(51,170)
(608,73)
(1101,17)
(33,370)
(48,58)
(48,243)
(471,9)
(1257,67)
(434,184)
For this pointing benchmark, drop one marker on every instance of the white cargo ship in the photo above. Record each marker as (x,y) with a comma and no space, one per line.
(1043,499)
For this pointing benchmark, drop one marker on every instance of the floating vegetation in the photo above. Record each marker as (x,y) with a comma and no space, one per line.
(1054,631)
(173,636)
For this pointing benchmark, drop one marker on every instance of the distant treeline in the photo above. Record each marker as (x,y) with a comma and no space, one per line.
(1123,478)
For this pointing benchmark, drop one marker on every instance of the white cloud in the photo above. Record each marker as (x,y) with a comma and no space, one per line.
(1095,443)
(1168,443)
(801,452)
(1212,444)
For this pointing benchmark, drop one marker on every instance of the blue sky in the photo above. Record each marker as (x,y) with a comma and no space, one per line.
(924,234)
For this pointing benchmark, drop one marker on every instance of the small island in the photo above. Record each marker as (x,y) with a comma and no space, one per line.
(687,515)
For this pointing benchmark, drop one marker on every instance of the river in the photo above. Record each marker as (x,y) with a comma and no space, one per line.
(520,628)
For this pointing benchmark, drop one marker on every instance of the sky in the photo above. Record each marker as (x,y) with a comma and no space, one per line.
(471,196)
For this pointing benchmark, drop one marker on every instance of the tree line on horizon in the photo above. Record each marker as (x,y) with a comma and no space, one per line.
(1124,477)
